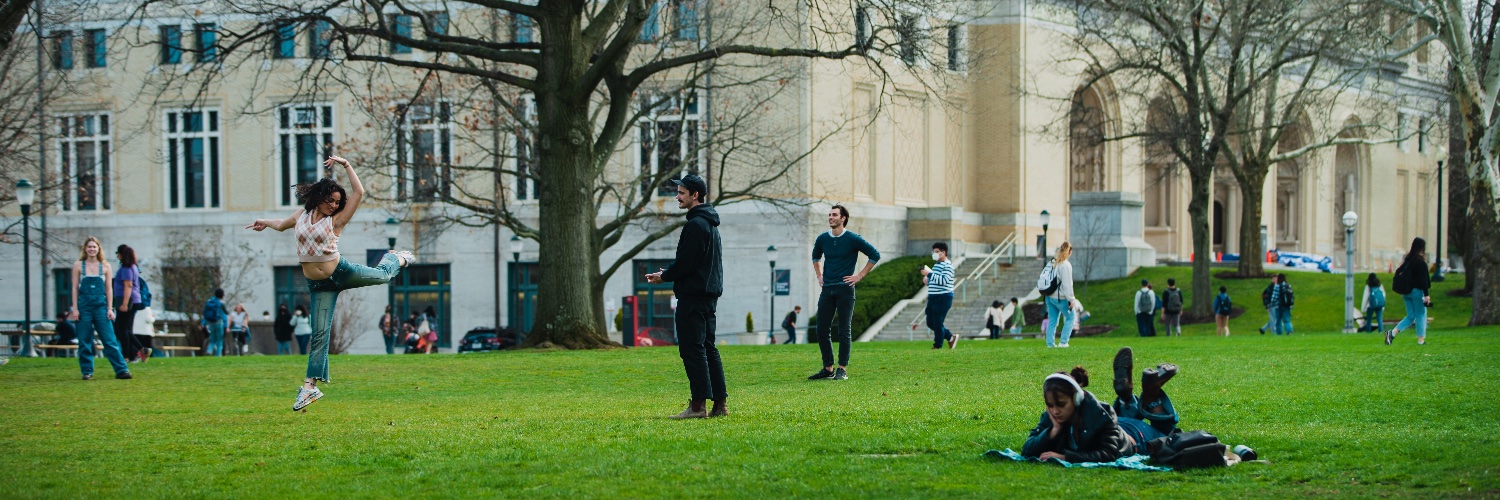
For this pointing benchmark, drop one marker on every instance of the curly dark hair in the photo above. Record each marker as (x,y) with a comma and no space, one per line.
(312,195)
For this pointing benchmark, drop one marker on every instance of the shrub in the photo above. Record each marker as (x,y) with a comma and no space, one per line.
(887,284)
(749,323)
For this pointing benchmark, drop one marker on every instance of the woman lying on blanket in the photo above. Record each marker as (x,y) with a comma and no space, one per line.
(1078,428)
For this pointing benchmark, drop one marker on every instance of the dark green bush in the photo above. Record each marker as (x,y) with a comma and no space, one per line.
(888,283)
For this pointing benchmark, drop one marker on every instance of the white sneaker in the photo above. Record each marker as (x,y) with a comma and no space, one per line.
(405,256)
(1063,345)
(306,397)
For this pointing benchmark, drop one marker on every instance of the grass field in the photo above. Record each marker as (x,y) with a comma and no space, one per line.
(1333,414)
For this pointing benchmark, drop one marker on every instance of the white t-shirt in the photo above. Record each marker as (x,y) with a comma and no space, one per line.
(239,320)
(145,319)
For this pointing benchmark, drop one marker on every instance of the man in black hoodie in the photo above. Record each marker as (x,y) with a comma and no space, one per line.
(697,276)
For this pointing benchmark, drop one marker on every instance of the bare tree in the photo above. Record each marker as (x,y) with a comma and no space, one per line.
(1089,234)
(349,323)
(194,263)
(574,82)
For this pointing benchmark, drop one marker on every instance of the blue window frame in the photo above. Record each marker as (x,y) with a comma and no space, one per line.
(286,41)
(95,47)
(207,37)
(524,29)
(62,55)
(171,44)
(652,27)
(524,283)
(687,19)
(401,27)
(322,40)
(291,287)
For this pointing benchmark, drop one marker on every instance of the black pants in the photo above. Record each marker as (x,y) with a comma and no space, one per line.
(840,299)
(994,332)
(937,313)
(791,335)
(124,332)
(696,319)
(1144,325)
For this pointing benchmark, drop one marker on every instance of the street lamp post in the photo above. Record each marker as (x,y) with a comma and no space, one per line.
(515,279)
(25,194)
(1046,219)
(771,320)
(1437,275)
(1350,218)
(392,229)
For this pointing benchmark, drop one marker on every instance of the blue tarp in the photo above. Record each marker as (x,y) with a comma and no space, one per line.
(1133,462)
(1305,261)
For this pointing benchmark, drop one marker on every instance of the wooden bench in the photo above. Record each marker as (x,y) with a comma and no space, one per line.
(65,347)
(188,348)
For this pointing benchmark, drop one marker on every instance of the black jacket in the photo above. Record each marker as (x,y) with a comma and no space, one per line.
(283,327)
(1098,438)
(1415,275)
(698,270)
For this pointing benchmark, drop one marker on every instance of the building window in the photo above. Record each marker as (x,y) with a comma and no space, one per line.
(286,41)
(400,27)
(62,55)
(653,301)
(206,38)
(525,279)
(669,139)
(523,29)
(193,158)
(424,148)
(1422,135)
(291,287)
(907,29)
(421,286)
(652,28)
(322,40)
(62,289)
(957,46)
(171,44)
(437,24)
(95,47)
(524,141)
(304,136)
(1401,126)
(862,27)
(83,147)
(686,12)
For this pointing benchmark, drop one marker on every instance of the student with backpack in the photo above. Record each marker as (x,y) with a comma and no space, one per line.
(1373,305)
(1282,299)
(1171,312)
(1222,307)
(1056,285)
(214,314)
(1412,282)
(1265,300)
(1145,304)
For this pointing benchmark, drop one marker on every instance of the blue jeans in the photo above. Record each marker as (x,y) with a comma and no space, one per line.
(283,347)
(325,295)
(1059,307)
(1416,313)
(1283,320)
(215,337)
(95,319)
(937,312)
(1270,320)
(302,341)
(1374,319)
(791,335)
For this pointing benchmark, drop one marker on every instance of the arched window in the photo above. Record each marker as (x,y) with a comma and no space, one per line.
(1086,136)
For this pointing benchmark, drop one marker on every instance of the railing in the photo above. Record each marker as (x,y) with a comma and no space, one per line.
(1006,248)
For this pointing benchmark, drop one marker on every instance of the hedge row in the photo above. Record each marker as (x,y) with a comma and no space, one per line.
(887,284)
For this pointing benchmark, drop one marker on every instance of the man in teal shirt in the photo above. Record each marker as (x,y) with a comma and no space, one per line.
(842,248)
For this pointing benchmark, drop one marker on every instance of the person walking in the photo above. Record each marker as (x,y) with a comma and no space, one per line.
(1265,299)
(838,279)
(939,280)
(92,296)
(1373,304)
(1283,298)
(1060,303)
(127,288)
(789,323)
(1222,307)
(388,330)
(1412,282)
(282,329)
(697,277)
(428,327)
(144,329)
(1017,316)
(1171,308)
(1145,305)
(239,326)
(326,210)
(212,319)
(301,328)
(994,319)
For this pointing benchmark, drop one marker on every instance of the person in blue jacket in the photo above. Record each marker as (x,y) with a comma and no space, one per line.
(1076,427)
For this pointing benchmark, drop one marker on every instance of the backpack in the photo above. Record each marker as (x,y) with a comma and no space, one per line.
(1048,282)
(1225,305)
(1287,299)
(1401,283)
(1173,300)
(1377,298)
(213,310)
(1145,301)
(1188,450)
(145,289)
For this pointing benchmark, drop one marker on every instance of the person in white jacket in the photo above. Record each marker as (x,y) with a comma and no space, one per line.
(1060,304)
(994,318)
(145,329)
(1374,312)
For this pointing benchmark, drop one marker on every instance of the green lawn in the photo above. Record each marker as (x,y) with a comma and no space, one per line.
(1333,414)
(1319,307)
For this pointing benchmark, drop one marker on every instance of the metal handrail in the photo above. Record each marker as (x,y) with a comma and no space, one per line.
(1008,245)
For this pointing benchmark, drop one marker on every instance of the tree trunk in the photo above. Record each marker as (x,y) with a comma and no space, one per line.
(1202,240)
(1484,255)
(1252,255)
(1457,223)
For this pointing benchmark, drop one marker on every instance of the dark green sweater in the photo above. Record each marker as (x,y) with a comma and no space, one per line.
(842,252)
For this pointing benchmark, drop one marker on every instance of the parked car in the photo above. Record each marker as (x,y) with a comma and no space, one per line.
(487,339)
(653,336)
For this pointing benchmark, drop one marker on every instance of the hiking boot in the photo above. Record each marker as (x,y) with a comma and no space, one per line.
(306,397)
(405,257)
(1124,367)
(721,408)
(840,374)
(123,376)
(1389,336)
(822,374)
(694,410)
(1166,371)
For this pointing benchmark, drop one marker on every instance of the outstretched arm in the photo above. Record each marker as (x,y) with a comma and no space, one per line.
(277,224)
(356,192)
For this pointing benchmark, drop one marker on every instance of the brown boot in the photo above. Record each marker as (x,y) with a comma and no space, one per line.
(694,410)
(721,408)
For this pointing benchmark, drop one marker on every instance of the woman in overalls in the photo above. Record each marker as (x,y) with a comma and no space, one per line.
(319,223)
(91,299)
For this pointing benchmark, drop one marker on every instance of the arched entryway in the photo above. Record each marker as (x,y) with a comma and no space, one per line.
(1089,125)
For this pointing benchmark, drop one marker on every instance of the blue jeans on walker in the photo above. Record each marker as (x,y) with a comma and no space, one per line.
(1059,307)
(938,306)
(95,319)
(1374,319)
(325,295)
(1416,313)
(215,337)
(1283,319)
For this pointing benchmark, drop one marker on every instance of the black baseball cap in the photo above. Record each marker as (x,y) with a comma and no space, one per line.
(693,183)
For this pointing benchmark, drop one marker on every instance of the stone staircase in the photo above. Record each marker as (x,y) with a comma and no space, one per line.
(967,316)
